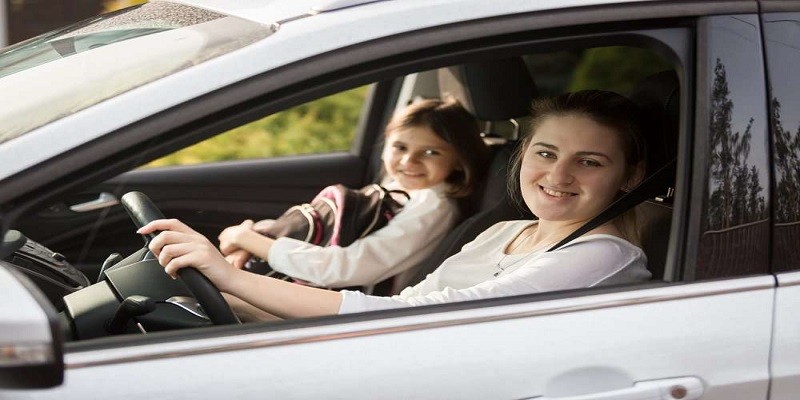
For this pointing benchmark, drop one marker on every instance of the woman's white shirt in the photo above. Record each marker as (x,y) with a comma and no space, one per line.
(403,243)
(588,261)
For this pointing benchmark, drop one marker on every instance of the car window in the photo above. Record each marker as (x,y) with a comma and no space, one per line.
(735,233)
(324,125)
(90,72)
(211,195)
(782,38)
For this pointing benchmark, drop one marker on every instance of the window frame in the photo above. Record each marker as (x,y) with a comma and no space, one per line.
(290,85)
(429,62)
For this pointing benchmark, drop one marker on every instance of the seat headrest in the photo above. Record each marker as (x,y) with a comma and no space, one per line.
(493,90)
(658,97)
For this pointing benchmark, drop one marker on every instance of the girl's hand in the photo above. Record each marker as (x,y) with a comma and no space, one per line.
(262,225)
(238,258)
(178,246)
(232,237)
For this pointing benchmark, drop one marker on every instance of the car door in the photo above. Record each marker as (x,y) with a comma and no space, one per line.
(705,331)
(781,37)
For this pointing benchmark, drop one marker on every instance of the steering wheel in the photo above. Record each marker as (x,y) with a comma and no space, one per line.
(142,210)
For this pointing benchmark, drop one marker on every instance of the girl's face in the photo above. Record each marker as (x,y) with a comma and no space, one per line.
(572,169)
(417,158)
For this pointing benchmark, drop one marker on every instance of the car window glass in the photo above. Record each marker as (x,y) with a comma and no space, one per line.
(735,233)
(615,68)
(62,72)
(782,38)
(321,126)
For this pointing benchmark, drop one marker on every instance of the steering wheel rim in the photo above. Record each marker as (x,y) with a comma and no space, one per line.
(142,210)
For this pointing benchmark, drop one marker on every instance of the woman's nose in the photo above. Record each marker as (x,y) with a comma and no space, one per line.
(560,174)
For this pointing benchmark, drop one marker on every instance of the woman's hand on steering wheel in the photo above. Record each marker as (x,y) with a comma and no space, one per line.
(178,246)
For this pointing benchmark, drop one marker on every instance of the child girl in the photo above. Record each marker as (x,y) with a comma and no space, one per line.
(585,148)
(432,151)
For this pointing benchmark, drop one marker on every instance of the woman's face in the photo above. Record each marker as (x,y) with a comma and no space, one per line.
(572,169)
(417,158)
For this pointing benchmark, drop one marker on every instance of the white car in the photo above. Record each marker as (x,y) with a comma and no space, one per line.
(83,108)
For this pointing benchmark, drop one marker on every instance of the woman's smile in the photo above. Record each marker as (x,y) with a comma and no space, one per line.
(573,168)
(556,193)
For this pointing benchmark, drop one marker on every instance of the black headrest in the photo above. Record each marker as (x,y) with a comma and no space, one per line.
(493,90)
(658,97)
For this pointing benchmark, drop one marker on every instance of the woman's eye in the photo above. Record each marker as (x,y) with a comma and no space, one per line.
(431,153)
(590,163)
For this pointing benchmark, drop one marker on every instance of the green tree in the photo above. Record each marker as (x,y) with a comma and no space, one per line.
(324,125)
(616,68)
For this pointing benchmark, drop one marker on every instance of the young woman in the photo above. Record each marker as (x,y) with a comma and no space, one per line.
(585,148)
(433,151)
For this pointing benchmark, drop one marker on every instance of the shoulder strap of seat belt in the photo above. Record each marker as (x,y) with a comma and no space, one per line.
(645,190)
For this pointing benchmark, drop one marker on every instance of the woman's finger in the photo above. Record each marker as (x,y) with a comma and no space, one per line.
(209,262)
(164,225)
(169,237)
(172,251)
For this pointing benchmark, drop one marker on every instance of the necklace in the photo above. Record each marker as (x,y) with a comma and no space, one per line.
(511,250)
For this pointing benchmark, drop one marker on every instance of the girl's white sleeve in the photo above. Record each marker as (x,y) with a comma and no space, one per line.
(578,265)
(404,242)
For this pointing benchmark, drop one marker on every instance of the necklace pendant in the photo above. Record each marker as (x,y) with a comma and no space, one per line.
(496,274)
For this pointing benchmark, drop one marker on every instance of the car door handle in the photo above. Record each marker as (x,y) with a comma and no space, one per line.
(103,200)
(683,388)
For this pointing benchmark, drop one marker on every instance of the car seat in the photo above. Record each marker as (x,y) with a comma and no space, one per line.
(658,96)
(497,90)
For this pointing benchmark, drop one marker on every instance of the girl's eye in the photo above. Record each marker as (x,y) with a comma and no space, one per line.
(590,163)
(399,147)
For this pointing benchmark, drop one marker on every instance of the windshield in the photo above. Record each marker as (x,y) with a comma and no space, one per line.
(59,73)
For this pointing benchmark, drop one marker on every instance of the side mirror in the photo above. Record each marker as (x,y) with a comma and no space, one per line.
(31,339)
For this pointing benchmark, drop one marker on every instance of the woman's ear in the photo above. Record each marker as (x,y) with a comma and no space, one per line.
(636,177)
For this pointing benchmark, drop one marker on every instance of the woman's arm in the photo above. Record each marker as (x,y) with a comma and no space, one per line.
(580,264)
(178,246)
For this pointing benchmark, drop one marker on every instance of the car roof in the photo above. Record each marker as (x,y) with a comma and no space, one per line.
(302,31)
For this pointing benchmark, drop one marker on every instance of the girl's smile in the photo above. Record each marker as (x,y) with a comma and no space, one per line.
(417,158)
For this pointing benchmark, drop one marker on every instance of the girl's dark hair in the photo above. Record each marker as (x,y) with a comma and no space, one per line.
(605,108)
(455,125)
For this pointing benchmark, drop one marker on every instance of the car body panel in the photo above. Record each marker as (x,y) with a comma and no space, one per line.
(781,26)
(718,332)
(785,358)
(17,305)
(672,325)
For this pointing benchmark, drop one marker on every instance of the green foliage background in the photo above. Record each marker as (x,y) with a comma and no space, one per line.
(320,126)
(328,124)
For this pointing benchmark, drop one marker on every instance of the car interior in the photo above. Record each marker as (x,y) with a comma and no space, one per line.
(498,91)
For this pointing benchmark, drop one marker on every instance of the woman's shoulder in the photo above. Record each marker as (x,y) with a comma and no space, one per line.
(594,242)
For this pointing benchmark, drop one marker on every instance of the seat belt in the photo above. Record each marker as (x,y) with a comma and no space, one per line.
(645,190)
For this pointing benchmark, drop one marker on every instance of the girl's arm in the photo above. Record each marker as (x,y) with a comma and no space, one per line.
(243,237)
(178,246)
(408,238)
